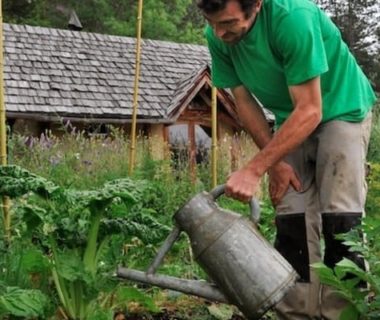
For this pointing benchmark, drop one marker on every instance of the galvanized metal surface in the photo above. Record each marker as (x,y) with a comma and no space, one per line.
(246,268)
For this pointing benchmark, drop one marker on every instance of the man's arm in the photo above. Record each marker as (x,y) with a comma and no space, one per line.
(252,116)
(305,117)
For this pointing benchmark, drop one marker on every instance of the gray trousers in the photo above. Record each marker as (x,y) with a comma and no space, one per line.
(331,166)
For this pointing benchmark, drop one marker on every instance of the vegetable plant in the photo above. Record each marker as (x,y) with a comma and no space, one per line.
(77,231)
(23,303)
(23,288)
(364,303)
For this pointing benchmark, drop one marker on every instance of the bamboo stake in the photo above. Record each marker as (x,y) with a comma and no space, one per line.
(214,145)
(3,131)
(132,155)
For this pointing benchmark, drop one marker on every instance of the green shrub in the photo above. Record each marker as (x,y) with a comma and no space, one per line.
(364,303)
(374,143)
(83,163)
(76,234)
(373,197)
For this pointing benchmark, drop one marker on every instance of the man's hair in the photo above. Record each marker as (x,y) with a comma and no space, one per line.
(213,6)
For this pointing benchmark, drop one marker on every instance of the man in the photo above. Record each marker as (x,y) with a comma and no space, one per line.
(291,56)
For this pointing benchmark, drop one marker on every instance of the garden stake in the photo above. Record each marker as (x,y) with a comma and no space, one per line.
(136,89)
(214,136)
(3,132)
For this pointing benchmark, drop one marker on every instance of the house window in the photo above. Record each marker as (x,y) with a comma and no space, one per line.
(98,129)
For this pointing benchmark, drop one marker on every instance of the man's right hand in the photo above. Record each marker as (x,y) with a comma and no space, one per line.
(281,176)
(242,184)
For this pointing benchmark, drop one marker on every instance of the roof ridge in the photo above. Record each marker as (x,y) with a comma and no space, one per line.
(94,35)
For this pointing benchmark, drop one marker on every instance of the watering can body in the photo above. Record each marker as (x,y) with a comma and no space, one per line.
(247,271)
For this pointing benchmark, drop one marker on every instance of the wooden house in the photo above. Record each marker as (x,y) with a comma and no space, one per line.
(54,77)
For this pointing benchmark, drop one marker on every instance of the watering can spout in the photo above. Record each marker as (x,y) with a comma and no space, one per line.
(198,288)
(201,289)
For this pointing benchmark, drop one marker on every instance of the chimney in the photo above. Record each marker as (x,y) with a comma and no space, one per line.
(74,23)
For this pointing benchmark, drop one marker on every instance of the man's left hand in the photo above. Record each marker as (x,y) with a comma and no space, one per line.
(281,176)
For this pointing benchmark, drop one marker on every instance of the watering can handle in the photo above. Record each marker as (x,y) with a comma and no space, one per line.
(254,204)
(172,237)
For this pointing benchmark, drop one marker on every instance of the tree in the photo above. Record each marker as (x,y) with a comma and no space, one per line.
(359,23)
(174,20)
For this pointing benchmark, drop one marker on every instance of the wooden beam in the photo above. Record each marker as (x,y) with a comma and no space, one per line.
(56,118)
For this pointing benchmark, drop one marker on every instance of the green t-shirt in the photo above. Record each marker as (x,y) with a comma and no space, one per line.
(293,41)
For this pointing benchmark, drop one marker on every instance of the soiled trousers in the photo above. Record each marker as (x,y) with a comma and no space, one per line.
(331,166)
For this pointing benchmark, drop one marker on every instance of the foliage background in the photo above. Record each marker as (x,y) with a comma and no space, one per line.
(175,20)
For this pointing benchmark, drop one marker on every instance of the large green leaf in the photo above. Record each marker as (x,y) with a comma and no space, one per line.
(130,294)
(34,261)
(32,215)
(325,274)
(349,313)
(23,303)
(139,224)
(126,189)
(347,266)
(16,181)
(97,313)
(70,267)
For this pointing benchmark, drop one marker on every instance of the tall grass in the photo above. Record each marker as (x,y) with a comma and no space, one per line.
(374,144)
(74,159)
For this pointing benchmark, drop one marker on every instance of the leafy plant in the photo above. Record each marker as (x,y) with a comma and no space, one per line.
(75,229)
(373,148)
(21,302)
(364,303)
(134,233)
(24,286)
(373,197)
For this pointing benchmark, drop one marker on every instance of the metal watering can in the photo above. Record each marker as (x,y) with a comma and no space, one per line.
(247,271)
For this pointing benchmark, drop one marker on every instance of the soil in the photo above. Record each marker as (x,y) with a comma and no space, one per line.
(183,307)
(168,316)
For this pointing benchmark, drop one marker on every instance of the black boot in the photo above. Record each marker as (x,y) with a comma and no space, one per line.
(291,242)
(335,250)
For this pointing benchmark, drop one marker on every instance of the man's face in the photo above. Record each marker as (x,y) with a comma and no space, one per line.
(231,23)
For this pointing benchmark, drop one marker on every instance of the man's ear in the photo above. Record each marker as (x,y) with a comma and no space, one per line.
(258,5)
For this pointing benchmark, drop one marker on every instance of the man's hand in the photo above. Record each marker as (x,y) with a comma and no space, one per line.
(281,176)
(242,184)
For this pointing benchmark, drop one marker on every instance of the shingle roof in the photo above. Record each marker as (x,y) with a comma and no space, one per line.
(71,73)
(184,86)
